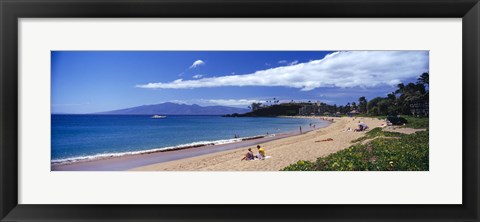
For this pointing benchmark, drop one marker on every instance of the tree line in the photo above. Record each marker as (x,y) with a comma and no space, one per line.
(409,99)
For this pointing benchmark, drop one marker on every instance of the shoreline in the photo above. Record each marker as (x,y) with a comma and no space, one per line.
(283,151)
(113,162)
(98,157)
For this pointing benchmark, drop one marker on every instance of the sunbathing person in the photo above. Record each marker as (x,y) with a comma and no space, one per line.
(261,153)
(249,155)
(361,127)
(325,140)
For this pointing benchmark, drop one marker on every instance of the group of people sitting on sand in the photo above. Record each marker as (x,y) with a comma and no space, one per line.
(250,156)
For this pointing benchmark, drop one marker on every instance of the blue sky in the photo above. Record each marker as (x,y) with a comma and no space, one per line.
(95,81)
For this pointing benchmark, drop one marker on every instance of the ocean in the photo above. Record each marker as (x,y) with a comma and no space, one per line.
(81,137)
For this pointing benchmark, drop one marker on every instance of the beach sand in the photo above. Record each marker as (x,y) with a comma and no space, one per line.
(282,152)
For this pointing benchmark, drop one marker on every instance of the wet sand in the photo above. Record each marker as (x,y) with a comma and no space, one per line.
(282,152)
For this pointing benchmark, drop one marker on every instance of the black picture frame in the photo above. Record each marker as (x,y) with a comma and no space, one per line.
(12,10)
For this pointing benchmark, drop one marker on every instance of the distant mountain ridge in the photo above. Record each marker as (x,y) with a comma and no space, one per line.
(169,108)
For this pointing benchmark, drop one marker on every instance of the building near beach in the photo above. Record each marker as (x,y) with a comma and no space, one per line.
(317,108)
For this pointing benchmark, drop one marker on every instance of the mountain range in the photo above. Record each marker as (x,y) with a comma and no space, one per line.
(169,108)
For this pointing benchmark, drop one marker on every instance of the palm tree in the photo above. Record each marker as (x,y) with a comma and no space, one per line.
(362,104)
(400,89)
(354,106)
(255,106)
(423,79)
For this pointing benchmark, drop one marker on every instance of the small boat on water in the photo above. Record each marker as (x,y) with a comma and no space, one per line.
(158,117)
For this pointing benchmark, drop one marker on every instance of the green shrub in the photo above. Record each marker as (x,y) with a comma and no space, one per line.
(417,122)
(300,166)
(397,120)
(408,153)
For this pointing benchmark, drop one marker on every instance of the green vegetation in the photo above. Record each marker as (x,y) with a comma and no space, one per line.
(411,121)
(390,152)
(416,122)
(397,120)
(377,132)
(410,99)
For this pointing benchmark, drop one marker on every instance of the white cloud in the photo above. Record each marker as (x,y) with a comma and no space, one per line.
(197,76)
(197,63)
(339,69)
(282,61)
(335,95)
(231,102)
(293,63)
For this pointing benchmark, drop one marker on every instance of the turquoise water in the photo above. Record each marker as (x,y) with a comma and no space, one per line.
(77,137)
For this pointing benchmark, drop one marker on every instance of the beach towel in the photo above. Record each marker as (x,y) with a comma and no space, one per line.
(267,157)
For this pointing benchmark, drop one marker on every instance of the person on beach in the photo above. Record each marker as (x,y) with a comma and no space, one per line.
(361,127)
(249,155)
(261,153)
(300,129)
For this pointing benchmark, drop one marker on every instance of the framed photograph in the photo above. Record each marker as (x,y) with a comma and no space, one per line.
(310,110)
(201,122)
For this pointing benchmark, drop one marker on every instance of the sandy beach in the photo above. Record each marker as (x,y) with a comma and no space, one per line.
(282,152)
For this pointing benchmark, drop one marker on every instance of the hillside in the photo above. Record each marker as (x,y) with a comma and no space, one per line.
(286,109)
(175,109)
